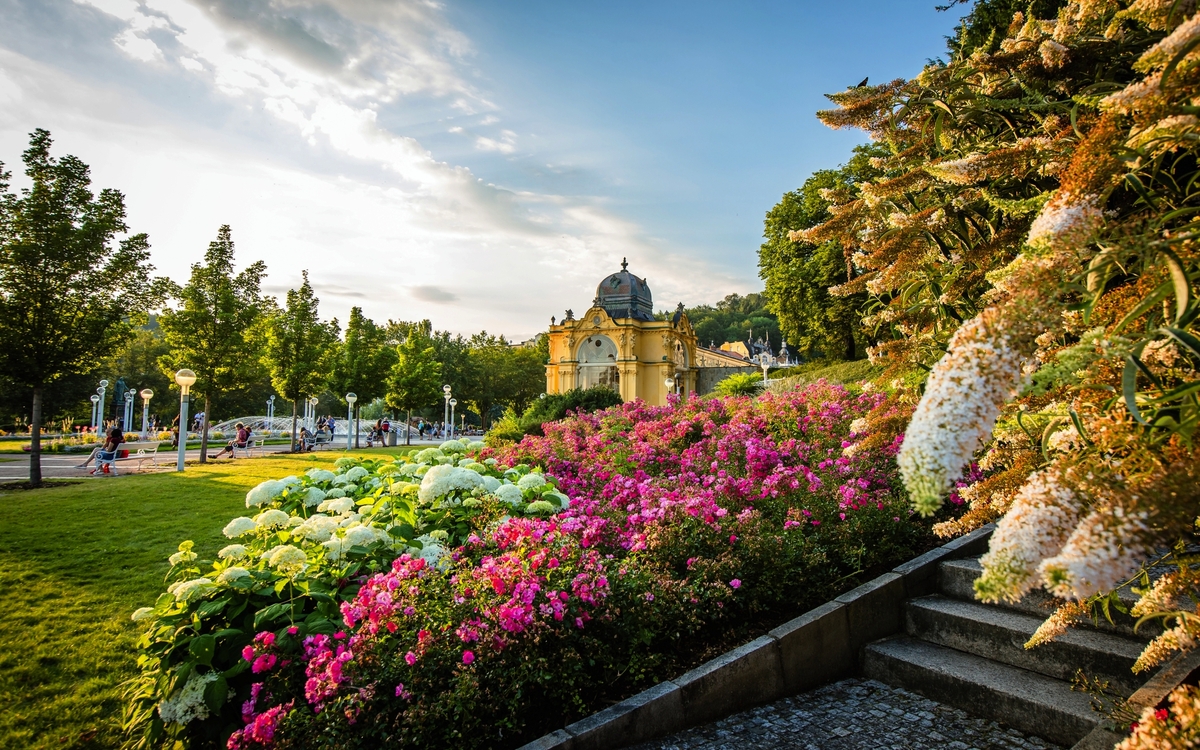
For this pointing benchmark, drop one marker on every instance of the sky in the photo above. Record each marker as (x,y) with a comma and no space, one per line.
(480,163)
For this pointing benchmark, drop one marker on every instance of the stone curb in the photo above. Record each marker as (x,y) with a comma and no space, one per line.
(818,647)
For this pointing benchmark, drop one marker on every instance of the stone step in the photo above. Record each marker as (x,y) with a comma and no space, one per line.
(1000,635)
(1024,700)
(956,579)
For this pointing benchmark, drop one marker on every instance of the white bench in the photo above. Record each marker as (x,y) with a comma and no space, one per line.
(248,449)
(141,452)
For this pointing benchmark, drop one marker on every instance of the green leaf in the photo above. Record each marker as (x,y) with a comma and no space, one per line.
(1179,279)
(1188,340)
(1155,297)
(215,694)
(202,648)
(209,608)
(1129,387)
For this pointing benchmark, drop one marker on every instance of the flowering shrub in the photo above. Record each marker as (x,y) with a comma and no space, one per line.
(1044,190)
(454,600)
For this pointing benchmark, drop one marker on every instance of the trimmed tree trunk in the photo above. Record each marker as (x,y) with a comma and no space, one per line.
(204,433)
(408,429)
(35,434)
(294,425)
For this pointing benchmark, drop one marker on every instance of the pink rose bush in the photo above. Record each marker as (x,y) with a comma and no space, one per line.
(572,569)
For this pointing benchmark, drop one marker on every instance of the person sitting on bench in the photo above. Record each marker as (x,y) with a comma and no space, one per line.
(108,452)
(306,441)
(242,440)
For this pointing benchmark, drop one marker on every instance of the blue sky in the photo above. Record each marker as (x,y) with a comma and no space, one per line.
(481,164)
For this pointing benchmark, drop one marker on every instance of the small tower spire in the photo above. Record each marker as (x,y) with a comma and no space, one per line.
(624,263)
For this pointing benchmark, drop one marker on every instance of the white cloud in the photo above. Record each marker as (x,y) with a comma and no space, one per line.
(311,179)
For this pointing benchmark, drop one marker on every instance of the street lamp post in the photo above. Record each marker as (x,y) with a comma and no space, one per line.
(350,399)
(185,378)
(127,424)
(670,383)
(445,408)
(146,394)
(453,403)
(271,412)
(765,361)
(312,413)
(100,409)
(95,402)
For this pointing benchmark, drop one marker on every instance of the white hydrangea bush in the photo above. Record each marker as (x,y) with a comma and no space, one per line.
(301,548)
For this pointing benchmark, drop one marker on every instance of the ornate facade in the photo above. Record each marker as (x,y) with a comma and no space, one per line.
(619,344)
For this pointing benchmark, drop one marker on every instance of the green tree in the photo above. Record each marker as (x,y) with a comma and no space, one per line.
(498,373)
(211,331)
(735,318)
(363,361)
(68,294)
(298,347)
(985,25)
(798,275)
(415,380)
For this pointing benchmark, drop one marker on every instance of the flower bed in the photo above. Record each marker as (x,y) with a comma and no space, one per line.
(472,597)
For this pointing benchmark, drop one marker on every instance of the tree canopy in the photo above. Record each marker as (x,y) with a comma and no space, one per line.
(69,291)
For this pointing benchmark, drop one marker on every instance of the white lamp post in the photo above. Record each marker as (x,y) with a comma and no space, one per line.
(445,408)
(146,395)
(312,413)
(453,403)
(271,412)
(765,361)
(95,402)
(127,424)
(185,378)
(100,409)
(350,399)
(670,383)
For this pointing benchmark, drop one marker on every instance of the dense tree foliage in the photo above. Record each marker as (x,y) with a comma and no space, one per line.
(734,318)
(363,360)
(415,379)
(799,275)
(69,291)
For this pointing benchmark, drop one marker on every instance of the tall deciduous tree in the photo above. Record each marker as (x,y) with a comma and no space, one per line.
(798,275)
(211,331)
(67,292)
(298,347)
(416,375)
(363,362)
(501,374)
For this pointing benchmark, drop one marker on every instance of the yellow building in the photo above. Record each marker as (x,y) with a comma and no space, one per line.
(619,344)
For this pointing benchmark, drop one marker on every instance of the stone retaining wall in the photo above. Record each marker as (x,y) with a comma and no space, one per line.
(816,648)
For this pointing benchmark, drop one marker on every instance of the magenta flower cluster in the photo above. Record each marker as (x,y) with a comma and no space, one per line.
(730,470)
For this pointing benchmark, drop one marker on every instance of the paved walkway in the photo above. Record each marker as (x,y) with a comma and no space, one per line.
(852,715)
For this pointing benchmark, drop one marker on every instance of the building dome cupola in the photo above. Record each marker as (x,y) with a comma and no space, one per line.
(624,295)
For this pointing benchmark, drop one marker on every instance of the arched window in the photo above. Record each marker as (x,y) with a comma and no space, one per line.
(598,363)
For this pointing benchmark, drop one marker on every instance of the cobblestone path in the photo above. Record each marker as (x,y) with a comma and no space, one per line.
(852,715)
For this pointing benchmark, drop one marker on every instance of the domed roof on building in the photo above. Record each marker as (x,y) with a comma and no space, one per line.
(624,295)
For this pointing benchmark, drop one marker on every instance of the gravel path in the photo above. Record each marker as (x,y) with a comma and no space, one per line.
(852,715)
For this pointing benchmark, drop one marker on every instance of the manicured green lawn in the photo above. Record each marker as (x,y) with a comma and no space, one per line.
(75,561)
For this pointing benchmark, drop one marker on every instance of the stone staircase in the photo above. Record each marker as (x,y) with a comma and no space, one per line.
(972,656)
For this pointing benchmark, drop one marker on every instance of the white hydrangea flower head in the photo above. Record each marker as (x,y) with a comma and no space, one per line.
(440,481)
(489,461)
(264,493)
(531,481)
(233,552)
(428,455)
(361,536)
(336,505)
(195,588)
(1036,526)
(963,397)
(335,493)
(231,574)
(313,496)
(142,613)
(336,547)
(344,462)
(452,446)
(239,526)
(182,556)
(432,552)
(341,480)
(288,559)
(349,519)
(539,506)
(476,445)
(317,528)
(465,462)
(320,475)
(187,704)
(509,493)
(273,518)
(491,484)
(291,479)
(564,501)
(356,473)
